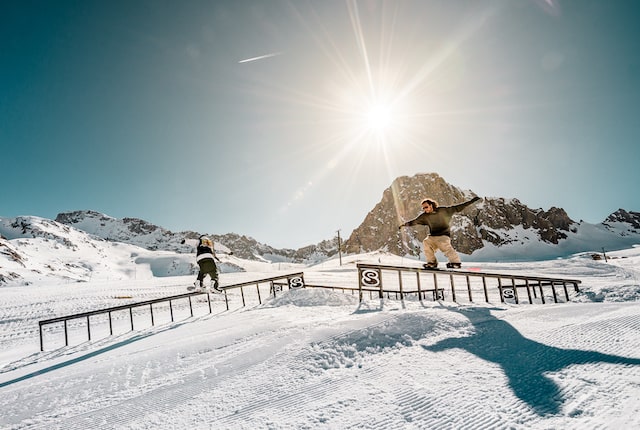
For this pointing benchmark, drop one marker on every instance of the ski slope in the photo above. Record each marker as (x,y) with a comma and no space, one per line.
(318,359)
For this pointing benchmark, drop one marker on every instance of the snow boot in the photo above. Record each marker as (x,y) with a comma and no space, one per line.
(454,265)
(216,286)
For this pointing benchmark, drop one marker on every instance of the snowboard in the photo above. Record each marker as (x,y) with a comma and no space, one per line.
(207,289)
(444,269)
(462,270)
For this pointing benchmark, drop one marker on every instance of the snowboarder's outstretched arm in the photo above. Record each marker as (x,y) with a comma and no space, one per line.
(461,206)
(414,221)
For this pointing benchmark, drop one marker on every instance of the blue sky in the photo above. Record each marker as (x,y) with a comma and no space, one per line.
(150,109)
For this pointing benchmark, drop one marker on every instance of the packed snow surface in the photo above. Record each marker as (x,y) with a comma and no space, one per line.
(316,358)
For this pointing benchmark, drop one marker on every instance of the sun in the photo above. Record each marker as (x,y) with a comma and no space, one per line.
(378,118)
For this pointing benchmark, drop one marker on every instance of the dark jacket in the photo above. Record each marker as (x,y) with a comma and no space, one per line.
(439,220)
(205,258)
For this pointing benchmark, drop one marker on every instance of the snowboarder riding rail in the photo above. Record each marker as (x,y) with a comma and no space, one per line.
(438,220)
(205,257)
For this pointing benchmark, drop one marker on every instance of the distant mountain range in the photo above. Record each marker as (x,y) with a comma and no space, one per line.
(84,244)
(141,233)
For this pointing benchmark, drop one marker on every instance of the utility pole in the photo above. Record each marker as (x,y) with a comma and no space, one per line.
(339,247)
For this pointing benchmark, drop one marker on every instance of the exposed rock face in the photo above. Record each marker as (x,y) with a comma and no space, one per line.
(504,215)
(75,217)
(9,251)
(491,220)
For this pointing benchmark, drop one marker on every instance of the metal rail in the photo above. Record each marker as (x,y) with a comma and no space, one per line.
(295,280)
(431,281)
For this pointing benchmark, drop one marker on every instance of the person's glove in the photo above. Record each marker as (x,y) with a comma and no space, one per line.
(182,242)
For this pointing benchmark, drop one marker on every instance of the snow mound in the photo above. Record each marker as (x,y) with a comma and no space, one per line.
(357,347)
(312,297)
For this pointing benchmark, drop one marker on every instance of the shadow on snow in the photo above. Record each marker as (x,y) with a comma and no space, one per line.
(523,361)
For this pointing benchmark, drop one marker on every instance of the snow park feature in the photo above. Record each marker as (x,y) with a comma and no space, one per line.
(403,283)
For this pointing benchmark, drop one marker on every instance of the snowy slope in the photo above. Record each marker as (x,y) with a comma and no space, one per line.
(527,246)
(318,359)
(38,250)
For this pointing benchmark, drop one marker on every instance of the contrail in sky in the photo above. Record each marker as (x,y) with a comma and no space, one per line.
(260,57)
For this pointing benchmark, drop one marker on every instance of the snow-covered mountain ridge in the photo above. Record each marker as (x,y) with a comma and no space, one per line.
(34,249)
(39,250)
(85,245)
(146,235)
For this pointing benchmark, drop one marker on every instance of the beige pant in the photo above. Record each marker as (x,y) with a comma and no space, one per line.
(443,243)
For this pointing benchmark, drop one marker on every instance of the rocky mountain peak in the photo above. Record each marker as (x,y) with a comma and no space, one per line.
(631,218)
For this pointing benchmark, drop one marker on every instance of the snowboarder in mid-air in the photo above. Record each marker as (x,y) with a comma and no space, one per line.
(438,219)
(205,257)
